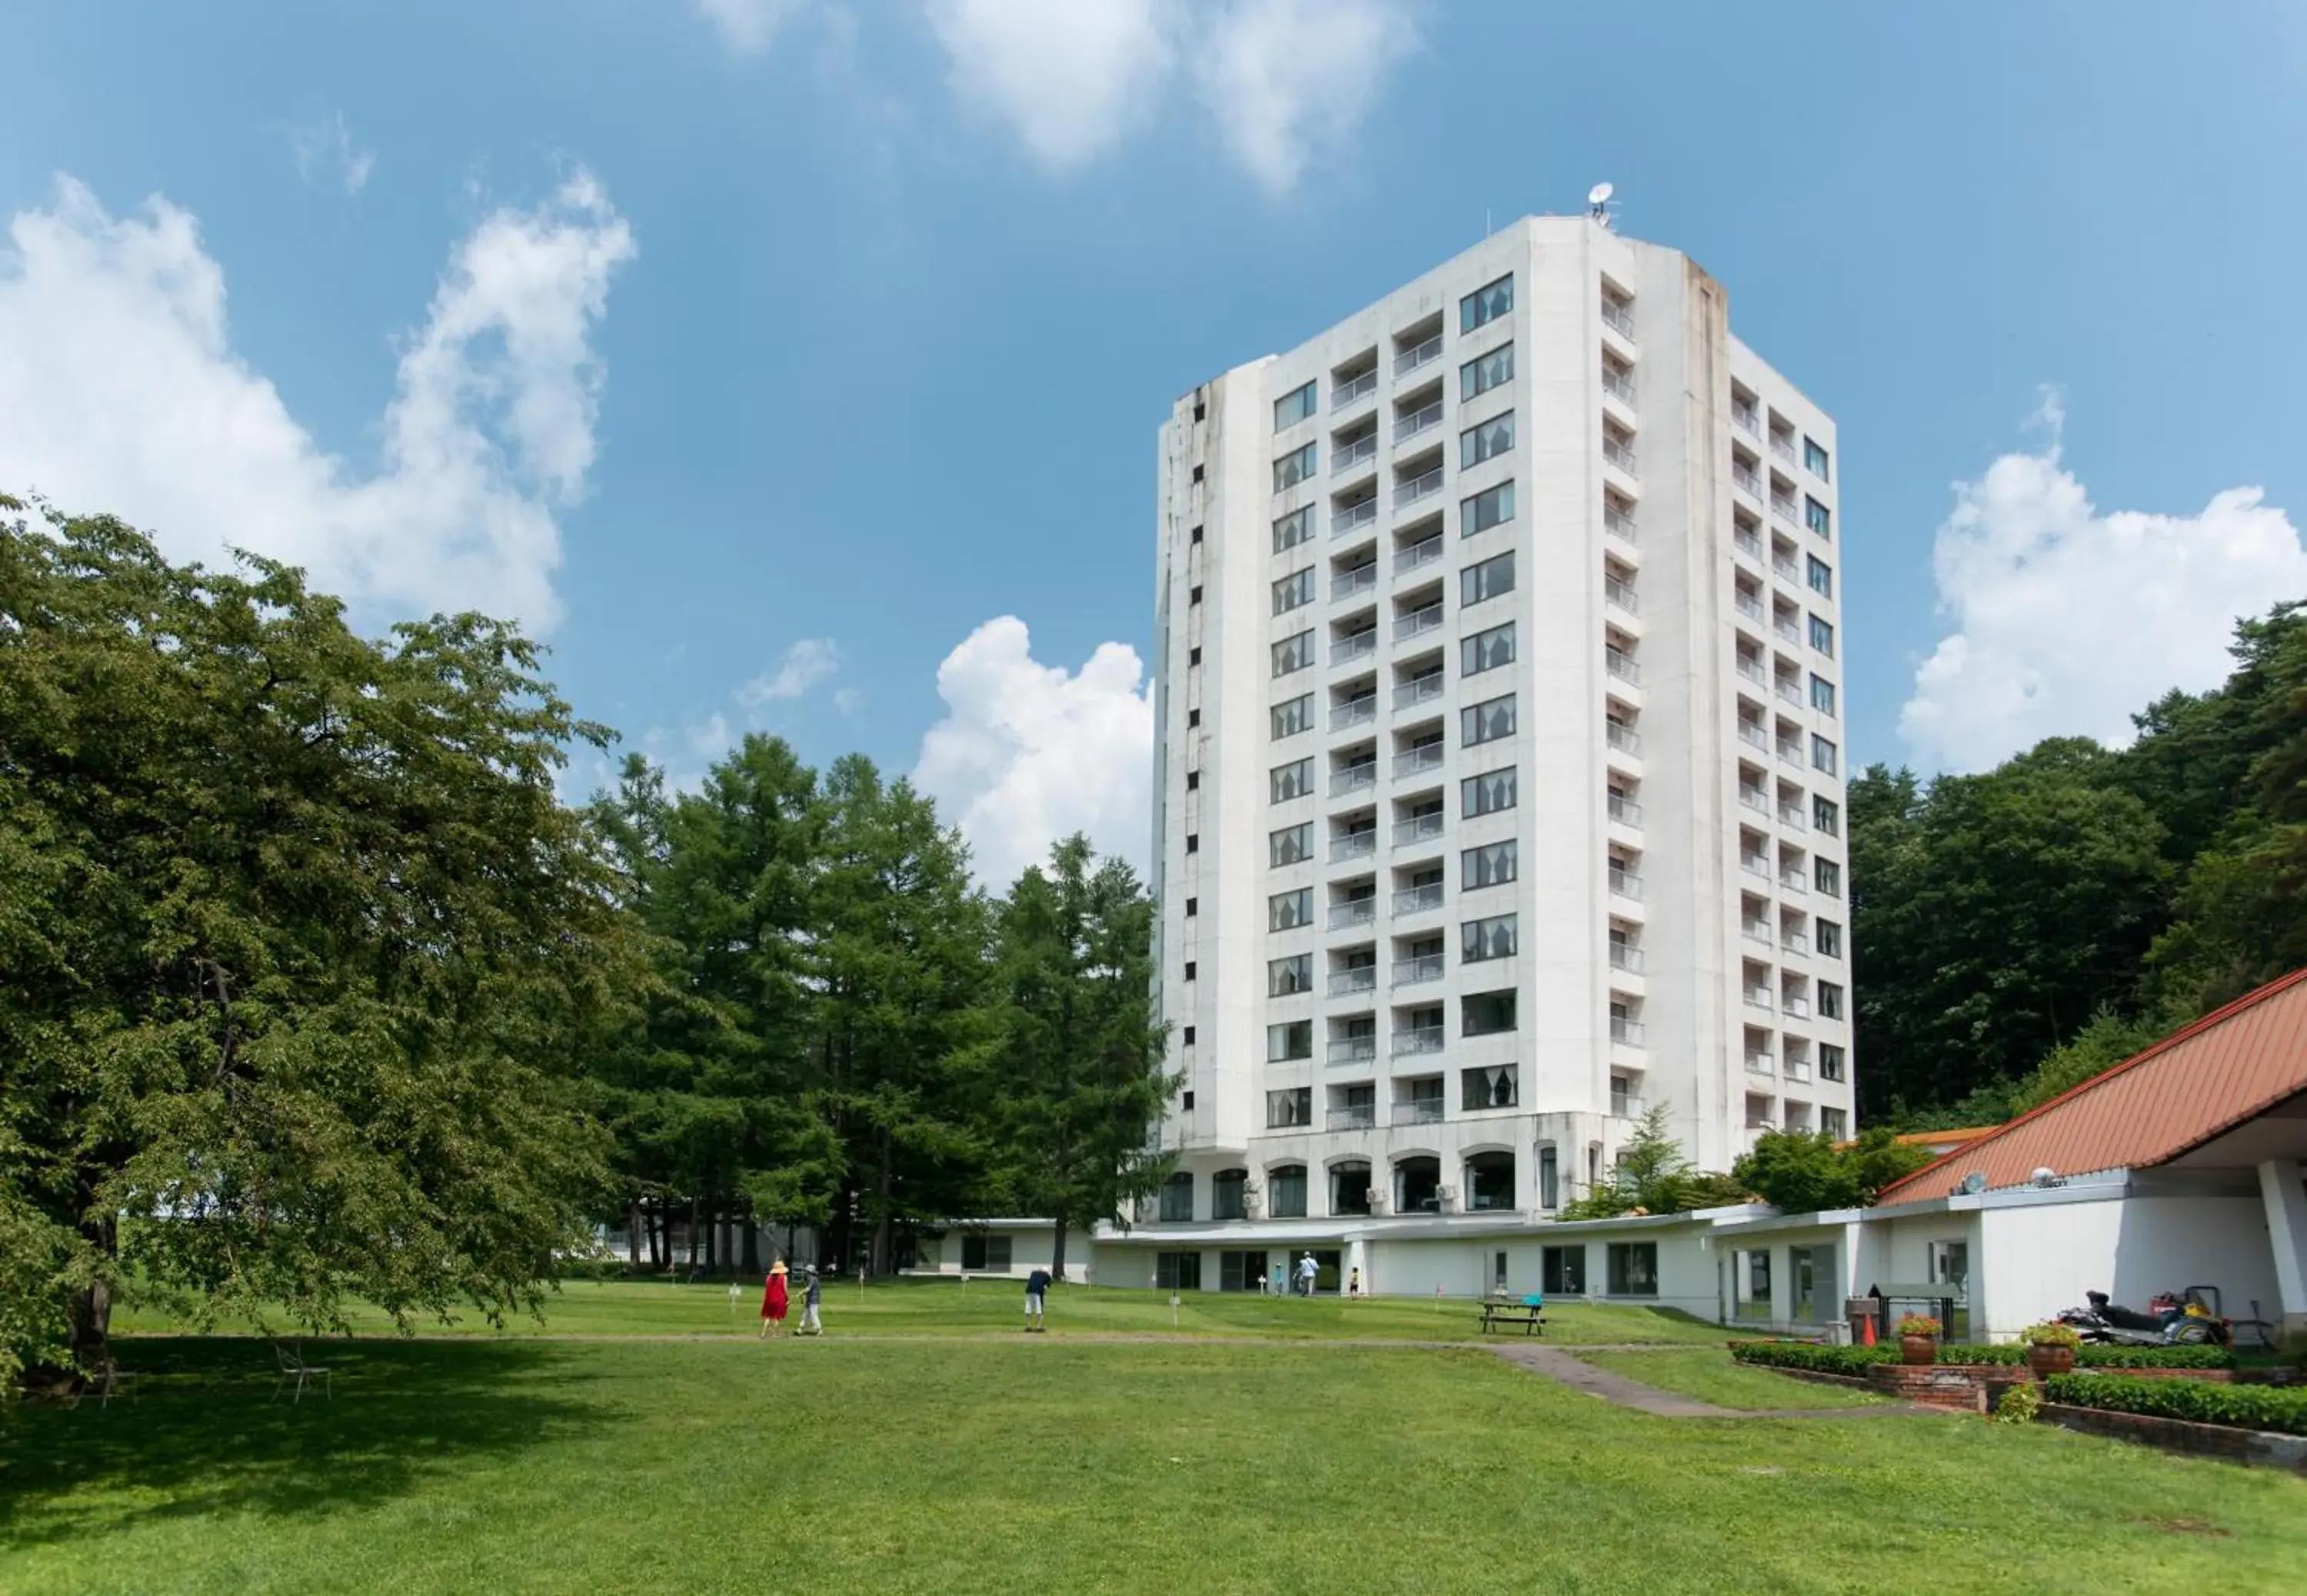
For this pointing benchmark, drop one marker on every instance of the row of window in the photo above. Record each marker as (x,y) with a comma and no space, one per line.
(1484,580)
(1485,794)
(1492,507)
(1476,311)
(1484,440)
(1493,937)
(1492,864)
(1480,1014)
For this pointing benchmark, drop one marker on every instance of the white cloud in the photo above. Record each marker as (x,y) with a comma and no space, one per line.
(848,700)
(806,663)
(1071,75)
(2067,620)
(122,392)
(748,26)
(1030,753)
(1288,81)
(685,753)
(325,152)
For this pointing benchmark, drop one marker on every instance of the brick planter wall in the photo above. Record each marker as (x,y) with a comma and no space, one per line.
(2263,1447)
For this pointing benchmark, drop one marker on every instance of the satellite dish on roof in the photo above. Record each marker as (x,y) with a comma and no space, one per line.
(1599,195)
(1973,1183)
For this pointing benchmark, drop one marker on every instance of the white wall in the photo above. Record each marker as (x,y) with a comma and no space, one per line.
(1031,1247)
(2040,1258)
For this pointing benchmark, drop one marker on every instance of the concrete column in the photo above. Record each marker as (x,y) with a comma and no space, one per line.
(2282,1185)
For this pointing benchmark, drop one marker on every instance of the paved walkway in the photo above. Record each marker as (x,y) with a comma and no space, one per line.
(1560,1366)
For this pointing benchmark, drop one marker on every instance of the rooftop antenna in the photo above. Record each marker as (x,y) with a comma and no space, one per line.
(1598,202)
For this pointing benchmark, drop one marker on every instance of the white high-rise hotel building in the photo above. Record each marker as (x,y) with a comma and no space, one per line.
(1500,748)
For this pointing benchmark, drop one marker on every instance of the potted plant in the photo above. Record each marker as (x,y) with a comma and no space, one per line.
(1918,1339)
(2050,1348)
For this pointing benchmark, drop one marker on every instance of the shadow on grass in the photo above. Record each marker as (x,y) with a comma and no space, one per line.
(204,1433)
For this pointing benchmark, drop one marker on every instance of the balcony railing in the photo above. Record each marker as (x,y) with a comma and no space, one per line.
(1619,525)
(1619,387)
(1620,454)
(1410,360)
(1748,733)
(1618,318)
(1417,622)
(1354,845)
(1424,487)
(1797,1070)
(1412,972)
(1746,418)
(1421,828)
(1754,798)
(1755,931)
(1794,942)
(1360,911)
(1786,509)
(1794,1008)
(1419,1110)
(1748,605)
(1424,552)
(1756,864)
(1786,567)
(1353,778)
(1791,752)
(1345,982)
(1782,445)
(1622,737)
(1626,957)
(1787,629)
(1621,664)
(1416,762)
(1408,427)
(1746,542)
(1621,595)
(1354,388)
(1361,1116)
(1790,815)
(1346,518)
(1352,1050)
(1760,1063)
(1353,645)
(1625,883)
(1625,811)
(1418,1038)
(1350,455)
(1418,900)
(1345,584)
(1353,711)
(1793,881)
(1758,998)
(1418,690)
(1745,477)
(1626,1032)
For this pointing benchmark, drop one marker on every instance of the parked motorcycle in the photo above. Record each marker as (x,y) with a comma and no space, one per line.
(2169,1321)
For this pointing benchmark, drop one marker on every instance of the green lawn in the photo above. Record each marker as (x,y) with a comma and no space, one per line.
(942,1307)
(1047,1466)
(1710,1376)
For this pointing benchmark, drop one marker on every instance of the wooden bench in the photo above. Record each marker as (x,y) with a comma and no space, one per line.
(1532,1320)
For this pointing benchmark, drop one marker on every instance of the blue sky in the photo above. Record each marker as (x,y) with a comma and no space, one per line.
(699,331)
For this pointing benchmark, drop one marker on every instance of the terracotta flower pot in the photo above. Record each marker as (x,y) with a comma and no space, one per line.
(2048,1361)
(1918,1349)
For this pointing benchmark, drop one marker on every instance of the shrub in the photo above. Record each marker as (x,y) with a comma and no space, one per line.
(2252,1407)
(1856,1360)
(1852,1360)
(2020,1405)
(1919,1324)
(2051,1332)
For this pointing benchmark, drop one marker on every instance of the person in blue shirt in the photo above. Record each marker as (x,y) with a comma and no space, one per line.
(1037,1292)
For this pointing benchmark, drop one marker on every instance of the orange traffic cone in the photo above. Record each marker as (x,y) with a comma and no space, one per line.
(1869,1322)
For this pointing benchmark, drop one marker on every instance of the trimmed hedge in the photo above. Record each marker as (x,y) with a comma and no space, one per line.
(1855,1360)
(2251,1407)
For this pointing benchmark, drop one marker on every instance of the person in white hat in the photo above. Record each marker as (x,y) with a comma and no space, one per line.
(1307,1270)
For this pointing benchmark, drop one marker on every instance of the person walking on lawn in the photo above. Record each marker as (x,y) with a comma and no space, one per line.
(1307,1271)
(1037,1293)
(773,1301)
(812,1292)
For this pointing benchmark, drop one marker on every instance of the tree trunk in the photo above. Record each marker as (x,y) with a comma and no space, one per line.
(1058,1253)
(653,1215)
(881,1237)
(751,1245)
(692,1234)
(712,1236)
(633,1233)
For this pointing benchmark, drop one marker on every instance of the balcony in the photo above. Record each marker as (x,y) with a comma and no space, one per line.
(1791,751)
(1425,353)
(1754,798)
(1357,911)
(1352,1050)
(1786,509)
(1745,477)
(1408,427)
(1424,487)
(1360,1116)
(1354,845)
(1746,542)
(1626,1032)
(1794,942)
(1760,1063)
(1782,444)
(1354,389)
(1794,1008)
(1418,690)
(1413,972)
(1421,553)
(1353,645)
(1787,629)
(1756,864)
(1417,622)
(1345,584)
(1353,711)
(1758,998)
(1418,900)
(1755,931)
(1417,1038)
(1746,419)
(1625,883)
(1786,567)
(1620,454)
(1622,737)
(1419,1110)
(1626,957)
(1345,982)
(1619,386)
(1350,454)
(1751,670)
(1798,1071)
(1621,664)
(1422,828)
(1621,595)
(1345,518)
(1625,1107)
(1619,525)
(1618,317)
(1793,881)
(1416,762)
(1625,811)
(1354,778)
(1750,732)
(1748,605)
(1790,815)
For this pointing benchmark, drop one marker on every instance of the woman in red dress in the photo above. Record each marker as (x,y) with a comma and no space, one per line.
(773,1300)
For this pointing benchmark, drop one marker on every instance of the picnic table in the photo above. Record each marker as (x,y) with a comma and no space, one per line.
(1529,1316)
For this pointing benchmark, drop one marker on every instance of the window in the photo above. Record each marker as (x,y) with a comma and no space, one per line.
(1193,777)
(1292,780)
(1490,1187)
(1292,1039)
(1294,406)
(1228,1190)
(1193,718)
(1486,650)
(1293,717)
(1286,911)
(1350,1188)
(1284,977)
(1950,1261)
(1487,721)
(1822,755)
(1285,1191)
(1829,939)
(1197,474)
(1178,1196)
(1193,842)
(1493,938)
(1822,637)
(1492,864)
(1189,969)
(1293,528)
(1194,597)
(1814,459)
(1295,589)
(1194,657)
(1632,1268)
(1486,580)
(1749,1283)
(1293,467)
(1485,304)
(1487,793)
(1294,653)
(1486,1013)
(1487,442)
(1494,506)
(1291,845)
(1193,906)
(1829,1001)
(1562,1270)
(1816,517)
(1485,372)
(1292,1105)
(1549,1177)
(1822,695)
(1828,877)
(1196,536)
(1493,1088)
(1821,577)
(1834,1123)
(1178,1271)
(1830,1061)
(1826,816)
(982,1253)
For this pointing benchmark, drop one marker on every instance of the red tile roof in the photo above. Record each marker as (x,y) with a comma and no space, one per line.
(2196,1083)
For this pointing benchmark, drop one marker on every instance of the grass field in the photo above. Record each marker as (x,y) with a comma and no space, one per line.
(942,1307)
(1046,1465)
(1709,1375)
